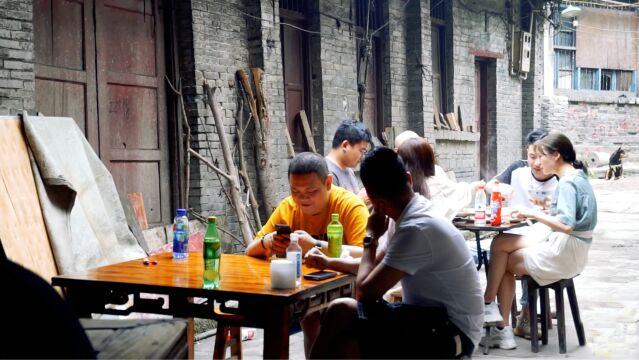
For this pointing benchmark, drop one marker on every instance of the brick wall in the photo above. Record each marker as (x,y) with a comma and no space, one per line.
(396,72)
(16,57)
(593,125)
(480,26)
(337,70)
(417,20)
(532,87)
(218,37)
(222,37)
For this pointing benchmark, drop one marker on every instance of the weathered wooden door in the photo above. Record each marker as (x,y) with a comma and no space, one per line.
(64,47)
(131,104)
(102,62)
(295,63)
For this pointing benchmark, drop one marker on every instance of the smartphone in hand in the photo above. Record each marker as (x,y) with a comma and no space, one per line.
(320,275)
(282,229)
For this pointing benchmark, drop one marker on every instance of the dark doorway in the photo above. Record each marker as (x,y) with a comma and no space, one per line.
(482,152)
(372,108)
(295,54)
(485,121)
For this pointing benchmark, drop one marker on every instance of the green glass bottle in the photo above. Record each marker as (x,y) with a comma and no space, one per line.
(212,254)
(335,234)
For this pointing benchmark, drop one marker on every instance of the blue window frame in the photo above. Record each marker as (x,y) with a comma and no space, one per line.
(569,76)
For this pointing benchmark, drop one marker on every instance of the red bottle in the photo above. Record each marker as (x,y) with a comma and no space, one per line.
(495,206)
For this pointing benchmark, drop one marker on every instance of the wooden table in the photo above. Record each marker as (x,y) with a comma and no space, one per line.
(482,256)
(244,279)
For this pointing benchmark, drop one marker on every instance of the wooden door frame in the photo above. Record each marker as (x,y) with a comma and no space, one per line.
(300,19)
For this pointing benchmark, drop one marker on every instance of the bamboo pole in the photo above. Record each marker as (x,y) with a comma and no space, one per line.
(262,130)
(255,207)
(236,199)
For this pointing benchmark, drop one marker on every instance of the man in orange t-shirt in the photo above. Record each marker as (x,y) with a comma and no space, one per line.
(308,211)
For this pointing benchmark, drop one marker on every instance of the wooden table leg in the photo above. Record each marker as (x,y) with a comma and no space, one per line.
(276,333)
(190,337)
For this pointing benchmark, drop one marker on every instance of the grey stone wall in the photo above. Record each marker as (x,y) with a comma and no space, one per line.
(396,72)
(337,77)
(480,25)
(593,125)
(17,76)
(218,37)
(223,37)
(419,96)
(532,86)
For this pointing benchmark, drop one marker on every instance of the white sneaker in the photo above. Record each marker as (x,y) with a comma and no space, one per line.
(503,339)
(492,314)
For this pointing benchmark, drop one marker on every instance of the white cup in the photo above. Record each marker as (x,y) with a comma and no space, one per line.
(282,274)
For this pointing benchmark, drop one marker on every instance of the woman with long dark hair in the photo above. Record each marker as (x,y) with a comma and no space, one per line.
(547,257)
(430,180)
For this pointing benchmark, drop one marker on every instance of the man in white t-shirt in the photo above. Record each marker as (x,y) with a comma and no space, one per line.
(442,312)
(523,184)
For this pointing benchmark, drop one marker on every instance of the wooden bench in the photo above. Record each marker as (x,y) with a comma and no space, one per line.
(24,240)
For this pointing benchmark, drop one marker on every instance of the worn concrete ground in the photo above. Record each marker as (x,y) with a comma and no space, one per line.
(607,290)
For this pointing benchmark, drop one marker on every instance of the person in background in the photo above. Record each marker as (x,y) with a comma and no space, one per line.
(562,252)
(308,212)
(524,184)
(350,143)
(441,315)
(447,196)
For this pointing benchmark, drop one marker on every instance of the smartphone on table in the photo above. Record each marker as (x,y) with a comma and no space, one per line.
(320,275)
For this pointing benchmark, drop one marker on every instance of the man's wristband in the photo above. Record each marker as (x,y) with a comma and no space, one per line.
(368,240)
(262,241)
(318,244)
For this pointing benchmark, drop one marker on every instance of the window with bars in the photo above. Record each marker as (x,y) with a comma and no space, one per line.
(438,9)
(293,5)
(564,67)
(374,17)
(588,79)
(569,76)
(606,79)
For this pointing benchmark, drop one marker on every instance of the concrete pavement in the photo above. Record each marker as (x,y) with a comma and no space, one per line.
(607,290)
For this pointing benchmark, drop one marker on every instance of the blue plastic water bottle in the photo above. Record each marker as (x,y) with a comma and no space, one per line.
(181,235)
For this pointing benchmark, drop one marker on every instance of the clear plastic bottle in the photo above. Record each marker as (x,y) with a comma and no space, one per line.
(212,253)
(180,235)
(294,254)
(335,234)
(480,206)
(495,206)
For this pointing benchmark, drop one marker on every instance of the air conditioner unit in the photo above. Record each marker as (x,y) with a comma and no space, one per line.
(522,46)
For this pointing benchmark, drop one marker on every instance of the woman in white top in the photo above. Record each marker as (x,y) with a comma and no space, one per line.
(430,180)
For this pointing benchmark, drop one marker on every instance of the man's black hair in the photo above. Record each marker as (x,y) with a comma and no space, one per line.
(383,173)
(535,135)
(308,163)
(353,131)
